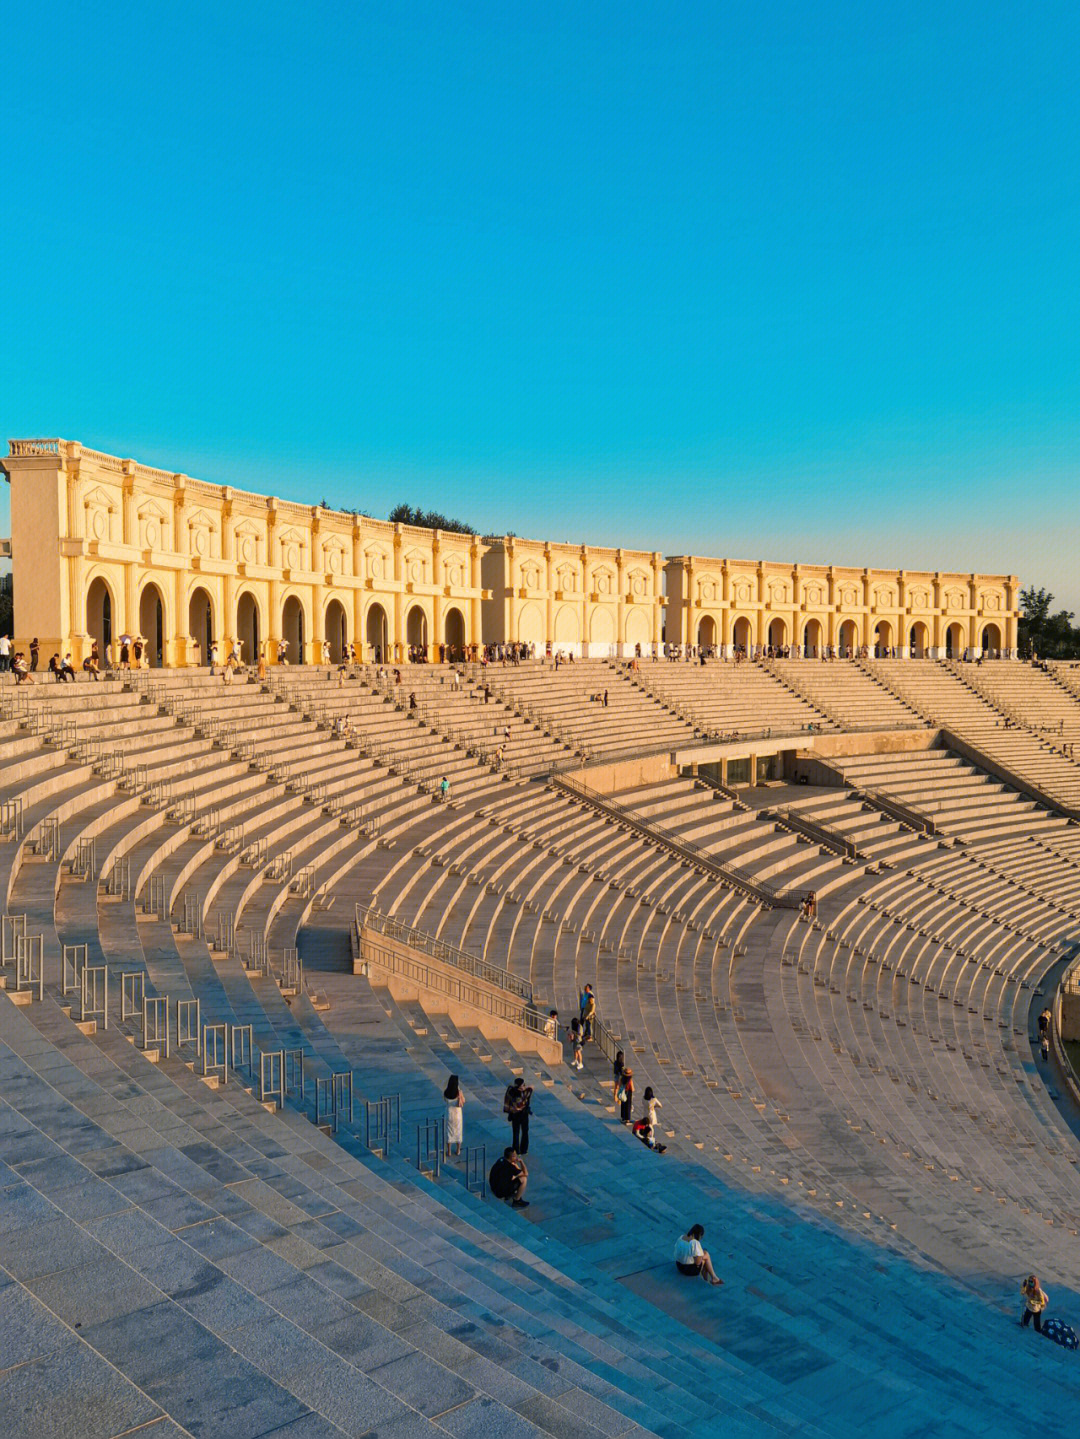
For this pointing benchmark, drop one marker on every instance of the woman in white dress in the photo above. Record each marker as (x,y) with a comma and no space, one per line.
(455,1102)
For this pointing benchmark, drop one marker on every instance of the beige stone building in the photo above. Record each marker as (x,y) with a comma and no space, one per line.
(746,604)
(104,547)
(590,602)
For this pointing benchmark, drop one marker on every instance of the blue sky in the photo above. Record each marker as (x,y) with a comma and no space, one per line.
(792,281)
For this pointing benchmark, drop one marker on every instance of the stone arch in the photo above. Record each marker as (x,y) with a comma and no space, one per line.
(530,625)
(294,629)
(638,628)
(601,626)
(918,640)
(416,629)
(706,633)
(883,639)
(201,621)
(991,640)
(152,624)
(248,626)
(454,633)
(812,637)
(777,632)
(742,635)
(336,630)
(101,616)
(954,641)
(377,633)
(849,636)
(567,630)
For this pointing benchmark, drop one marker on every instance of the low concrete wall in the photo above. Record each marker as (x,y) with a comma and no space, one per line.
(465,1000)
(627,773)
(868,742)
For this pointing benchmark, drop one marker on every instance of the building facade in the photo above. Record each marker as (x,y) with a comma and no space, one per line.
(747,605)
(103,547)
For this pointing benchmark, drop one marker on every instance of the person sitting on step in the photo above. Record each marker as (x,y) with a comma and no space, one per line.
(508,1178)
(691,1259)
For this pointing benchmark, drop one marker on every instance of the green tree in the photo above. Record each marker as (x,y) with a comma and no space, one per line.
(1050,636)
(404,514)
(7,617)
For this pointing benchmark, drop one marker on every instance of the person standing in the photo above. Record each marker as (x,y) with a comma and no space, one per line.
(588,1013)
(517,1108)
(1035,1301)
(455,1103)
(575,1040)
(5,653)
(625,1095)
(652,1104)
(35,650)
(618,1069)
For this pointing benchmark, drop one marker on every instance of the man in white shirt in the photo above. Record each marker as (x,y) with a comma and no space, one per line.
(5,653)
(691,1259)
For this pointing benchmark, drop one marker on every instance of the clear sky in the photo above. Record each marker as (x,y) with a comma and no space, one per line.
(749,279)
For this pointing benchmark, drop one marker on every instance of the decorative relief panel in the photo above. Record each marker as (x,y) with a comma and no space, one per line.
(99,509)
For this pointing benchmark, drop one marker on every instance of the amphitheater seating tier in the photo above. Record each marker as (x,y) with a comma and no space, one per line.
(853,1104)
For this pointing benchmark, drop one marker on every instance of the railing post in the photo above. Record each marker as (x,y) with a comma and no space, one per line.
(241,1048)
(272,1076)
(214,1058)
(132,994)
(72,961)
(188,1023)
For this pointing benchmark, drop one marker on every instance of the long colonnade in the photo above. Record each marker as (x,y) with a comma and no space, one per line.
(103,546)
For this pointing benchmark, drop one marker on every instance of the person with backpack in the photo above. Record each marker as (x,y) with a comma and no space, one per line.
(516,1107)
(624,1093)
(508,1178)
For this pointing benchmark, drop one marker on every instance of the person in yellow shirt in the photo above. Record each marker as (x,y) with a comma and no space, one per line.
(1035,1301)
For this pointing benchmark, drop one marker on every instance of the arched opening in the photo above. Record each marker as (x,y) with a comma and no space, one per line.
(849,637)
(292,629)
(777,633)
(883,639)
(740,635)
(152,625)
(201,623)
(454,633)
(918,640)
(954,642)
(706,633)
(99,617)
(812,639)
(336,630)
(377,633)
(991,642)
(248,627)
(416,633)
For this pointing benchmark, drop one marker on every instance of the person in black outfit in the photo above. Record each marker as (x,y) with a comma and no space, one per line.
(508,1178)
(516,1107)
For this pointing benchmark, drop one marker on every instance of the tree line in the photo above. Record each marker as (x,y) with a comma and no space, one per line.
(1050,636)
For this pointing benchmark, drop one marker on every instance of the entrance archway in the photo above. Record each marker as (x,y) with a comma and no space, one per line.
(991,641)
(99,617)
(918,640)
(152,625)
(849,637)
(706,633)
(454,632)
(336,630)
(740,635)
(201,622)
(416,631)
(377,633)
(292,629)
(954,642)
(812,640)
(777,633)
(883,639)
(248,627)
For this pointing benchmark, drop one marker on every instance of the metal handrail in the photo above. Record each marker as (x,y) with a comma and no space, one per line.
(476,996)
(368,918)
